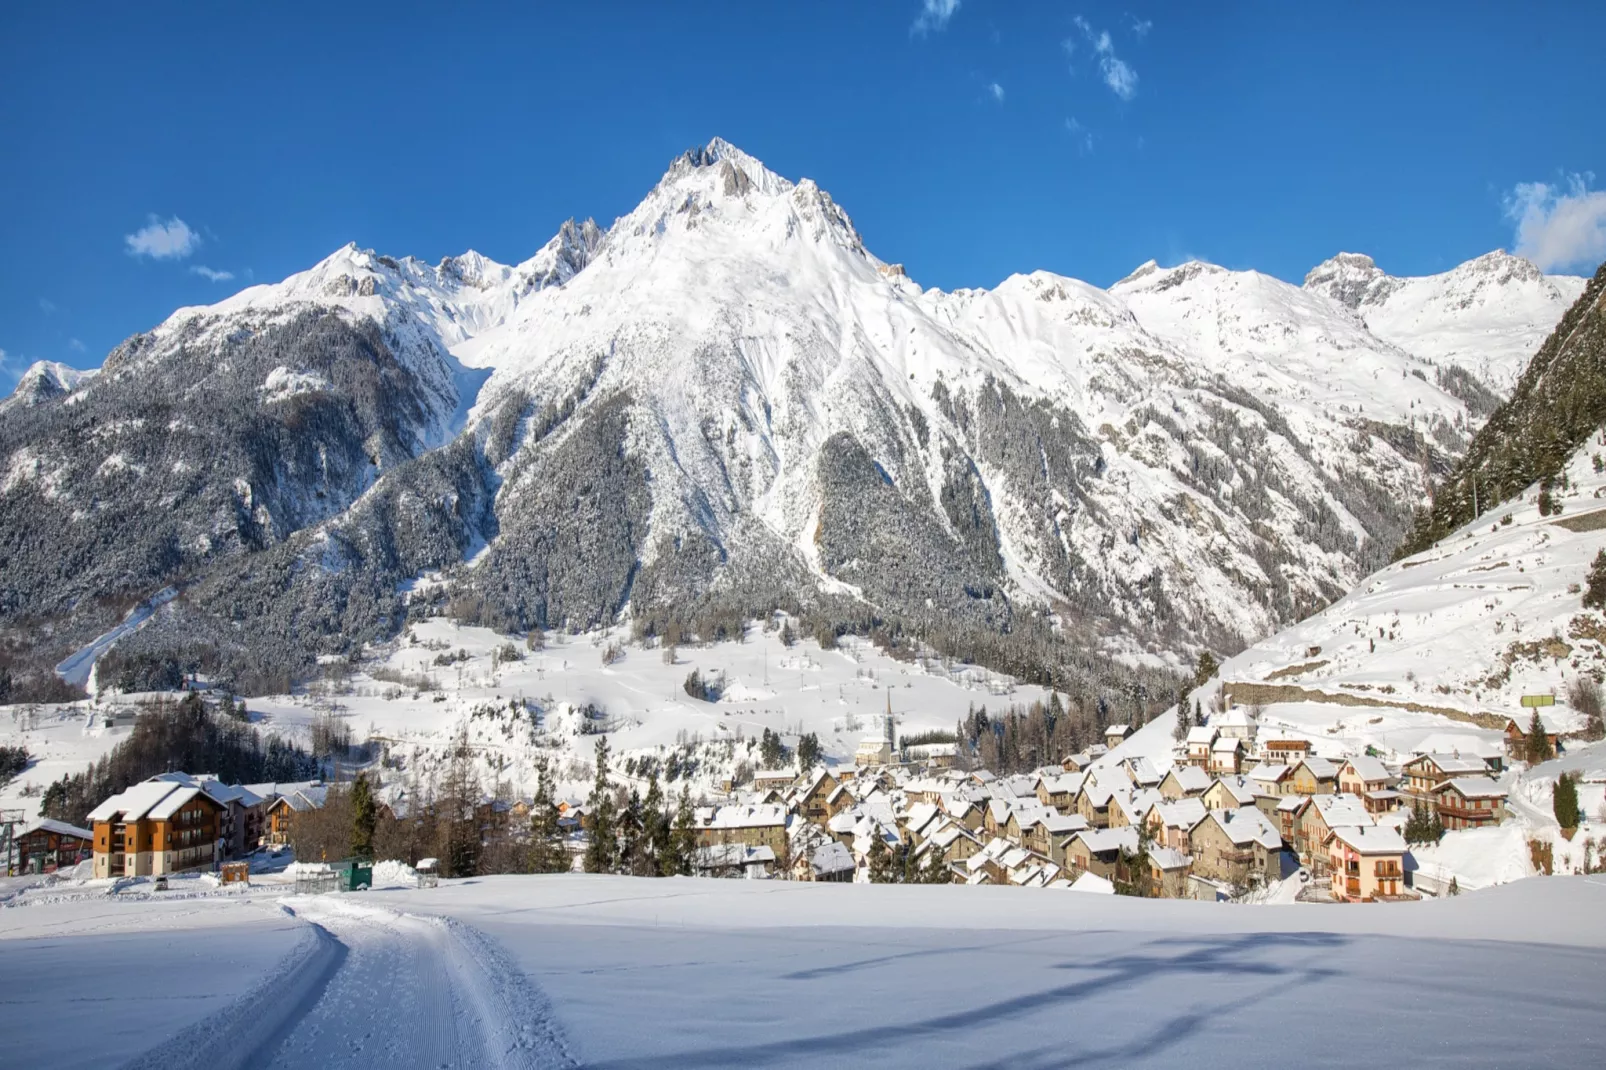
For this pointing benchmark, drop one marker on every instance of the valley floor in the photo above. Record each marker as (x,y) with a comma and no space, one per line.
(618,972)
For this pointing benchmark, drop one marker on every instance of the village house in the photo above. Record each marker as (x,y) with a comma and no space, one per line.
(1129,809)
(1093,803)
(156,828)
(811,798)
(1196,748)
(282,810)
(1236,722)
(1289,752)
(762,825)
(952,843)
(733,860)
(1226,755)
(1272,780)
(776,780)
(47,845)
(1115,735)
(1236,847)
(933,755)
(1185,780)
(1318,815)
(1424,773)
(1169,823)
(1059,791)
(1168,872)
(1314,776)
(1049,830)
(1370,779)
(1365,863)
(1229,793)
(1098,851)
(1469,802)
(832,863)
(1516,737)
(1141,772)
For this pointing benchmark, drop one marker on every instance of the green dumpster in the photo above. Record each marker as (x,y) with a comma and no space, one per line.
(352,874)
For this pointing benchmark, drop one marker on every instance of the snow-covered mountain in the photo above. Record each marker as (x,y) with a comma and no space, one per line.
(727,403)
(1487,315)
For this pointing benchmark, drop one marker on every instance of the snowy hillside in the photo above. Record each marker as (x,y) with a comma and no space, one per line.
(724,404)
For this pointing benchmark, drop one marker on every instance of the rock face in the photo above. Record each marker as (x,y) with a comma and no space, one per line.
(722,404)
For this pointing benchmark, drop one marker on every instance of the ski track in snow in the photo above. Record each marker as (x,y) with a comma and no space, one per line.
(374,987)
(77,668)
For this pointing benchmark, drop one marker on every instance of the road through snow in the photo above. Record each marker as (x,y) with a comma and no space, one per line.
(379,988)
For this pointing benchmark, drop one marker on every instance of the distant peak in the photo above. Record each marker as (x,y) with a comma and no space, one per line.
(1351,279)
(1148,267)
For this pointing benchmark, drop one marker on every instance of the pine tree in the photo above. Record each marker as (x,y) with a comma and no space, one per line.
(602,850)
(1184,721)
(880,861)
(1435,828)
(1206,668)
(1595,583)
(935,871)
(1564,801)
(364,818)
(1538,741)
(656,818)
(547,853)
(633,856)
(677,861)
(808,751)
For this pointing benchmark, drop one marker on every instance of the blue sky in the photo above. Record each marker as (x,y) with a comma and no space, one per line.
(149,154)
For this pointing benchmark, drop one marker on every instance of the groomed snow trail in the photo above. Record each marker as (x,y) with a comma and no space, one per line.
(380,988)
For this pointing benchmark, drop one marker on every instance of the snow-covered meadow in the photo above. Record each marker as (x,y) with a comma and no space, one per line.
(619,972)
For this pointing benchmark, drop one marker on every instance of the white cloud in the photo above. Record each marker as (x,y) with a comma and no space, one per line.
(934,15)
(1559,227)
(997,91)
(1141,27)
(76,346)
(1082,136)
(208,273)
(1117,72)
(1120,77)
(172,240)
(47,306)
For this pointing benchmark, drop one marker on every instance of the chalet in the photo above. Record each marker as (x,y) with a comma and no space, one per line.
(48,845)
(1098,851)
(734,860)
(921,820)
(964,810)
(1236,847)
(954,843)
(1469,802)
(156,828)
(1366,863)
(1320,814)
(1184,781)
(754,826)
(933,755)
(1048,831)
(1229,793)
(1093,803)
(244,810)
(1516,737)
(1168,872)
(1129,809)
(1284,751)
(1236,722)
(1425,772)
(282,811)
(1198,744)
(1226,755)
(777,780)
(1059,791)
(1075,763)
(1314,776)
(1115,735)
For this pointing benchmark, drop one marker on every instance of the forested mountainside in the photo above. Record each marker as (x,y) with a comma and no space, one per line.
(1558,404)
(723,404)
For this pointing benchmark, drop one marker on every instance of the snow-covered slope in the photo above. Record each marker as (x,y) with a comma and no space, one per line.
(1487,315)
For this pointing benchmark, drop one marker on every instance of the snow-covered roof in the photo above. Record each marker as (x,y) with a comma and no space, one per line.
(1202,734)
(1239,787)
(1320,768)
(761,815)
(1099,841)
(1181,813)
(733,854)
(1062,783)
(1092,882)
(1169,858)
(60,828)
(1191,778)
(1370,839)
(1226,745)
(1367,768)
(1475,787)
(1247,825)
(831,858)
(1342,809)
(1265,773)
(175,801)
(133,803)
(1142,771)
(1451,764)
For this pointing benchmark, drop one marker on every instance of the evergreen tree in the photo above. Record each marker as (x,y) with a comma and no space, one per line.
(677,862)
(1455,887)
(633,856)
(1206,668)
(808,751)
(1564,801)
(1435,828)
(935,871)
(547,853)
(1184,721)
(364,817)
(602,850)
(1198,713)
(657,831)
(879,859)
(1595,583)
(1538,741)
(459,825)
